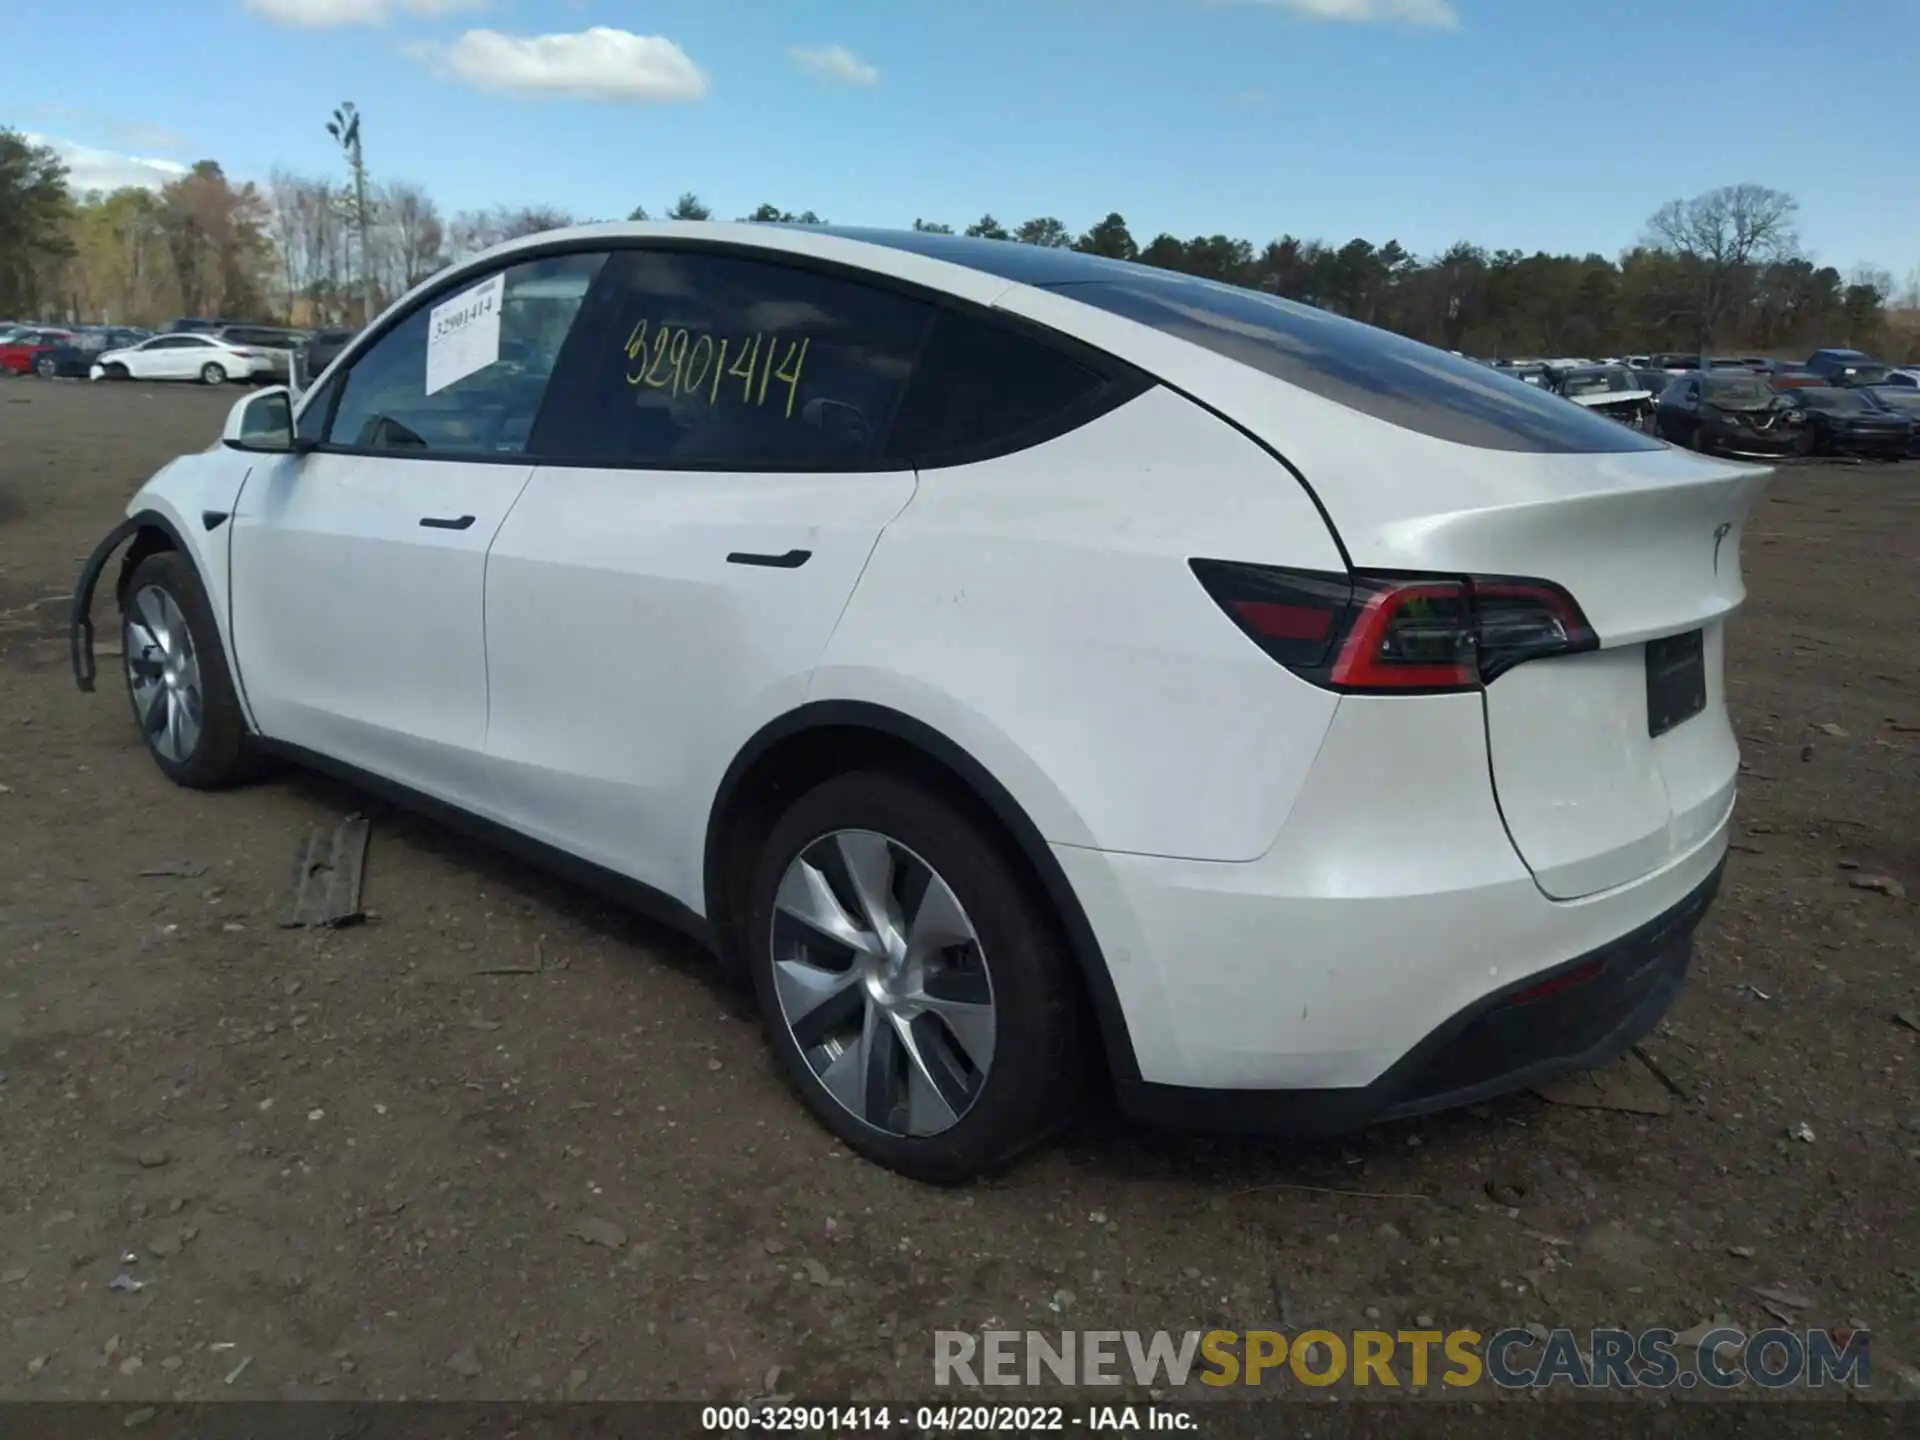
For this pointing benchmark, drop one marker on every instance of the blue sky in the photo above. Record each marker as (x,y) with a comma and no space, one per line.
(1523,123)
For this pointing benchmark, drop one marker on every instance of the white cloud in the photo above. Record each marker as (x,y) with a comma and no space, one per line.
(91,169)
(1430,14)
(835,64)
(596,64)
(322,14)
(134,133)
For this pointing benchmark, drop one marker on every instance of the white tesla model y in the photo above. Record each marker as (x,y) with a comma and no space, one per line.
(1022,665)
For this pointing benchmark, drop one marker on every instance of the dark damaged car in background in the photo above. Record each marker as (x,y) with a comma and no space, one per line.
(1730,413)
(1849,422)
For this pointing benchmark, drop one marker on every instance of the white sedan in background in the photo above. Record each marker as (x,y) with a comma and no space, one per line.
(183,357)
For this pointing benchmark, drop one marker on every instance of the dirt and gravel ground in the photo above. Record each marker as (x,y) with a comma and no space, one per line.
(356,1165)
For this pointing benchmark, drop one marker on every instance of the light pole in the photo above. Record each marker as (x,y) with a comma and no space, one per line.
(345,129)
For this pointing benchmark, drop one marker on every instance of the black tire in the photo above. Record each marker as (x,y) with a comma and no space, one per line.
(213,374)
(45,367)
(220,755)
(116,372)
(1032,1086)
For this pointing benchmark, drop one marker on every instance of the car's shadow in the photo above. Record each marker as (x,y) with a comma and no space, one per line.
(1101,1141)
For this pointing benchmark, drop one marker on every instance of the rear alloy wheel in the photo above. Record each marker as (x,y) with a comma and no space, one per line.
(45,368)
(177,680)
(212,374)
(914,994)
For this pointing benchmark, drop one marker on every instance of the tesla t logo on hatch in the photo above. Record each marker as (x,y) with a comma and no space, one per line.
(1720,533)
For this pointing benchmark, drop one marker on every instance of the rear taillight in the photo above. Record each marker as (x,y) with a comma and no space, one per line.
(1376,632)
(244,354)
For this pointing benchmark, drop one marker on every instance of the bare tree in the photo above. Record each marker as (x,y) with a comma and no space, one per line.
(1721,236)
(475,230)
(410,240)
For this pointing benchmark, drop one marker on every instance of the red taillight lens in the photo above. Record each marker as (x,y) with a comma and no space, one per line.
(1377,632)
(1579,975)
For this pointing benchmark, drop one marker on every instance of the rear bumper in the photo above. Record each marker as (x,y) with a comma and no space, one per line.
(1613,997)
(1353,970)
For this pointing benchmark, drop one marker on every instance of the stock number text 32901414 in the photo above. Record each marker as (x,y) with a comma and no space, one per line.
(741,368)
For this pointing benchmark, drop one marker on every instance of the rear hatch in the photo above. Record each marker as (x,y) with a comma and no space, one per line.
(1610,763)
(1608,760)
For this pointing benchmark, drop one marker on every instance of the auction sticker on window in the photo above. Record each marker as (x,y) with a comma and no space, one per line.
(463,334)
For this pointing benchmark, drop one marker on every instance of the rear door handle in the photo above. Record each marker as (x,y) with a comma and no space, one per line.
(792,560)
(444,522)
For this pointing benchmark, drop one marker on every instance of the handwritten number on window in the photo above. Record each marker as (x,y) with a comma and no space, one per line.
(676,360)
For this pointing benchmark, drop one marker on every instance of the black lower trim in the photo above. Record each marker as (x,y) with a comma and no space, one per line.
(1494,1046)
(854,714)
(623,890)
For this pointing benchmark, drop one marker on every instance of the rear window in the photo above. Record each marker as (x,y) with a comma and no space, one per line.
(1376,372)
(1823,398)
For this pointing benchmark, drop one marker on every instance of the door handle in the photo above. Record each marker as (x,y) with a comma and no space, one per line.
(442,522)
(792,560)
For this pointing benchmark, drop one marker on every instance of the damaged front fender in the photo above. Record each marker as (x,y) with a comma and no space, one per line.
(80,622)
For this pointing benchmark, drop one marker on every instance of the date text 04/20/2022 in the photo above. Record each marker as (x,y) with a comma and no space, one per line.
(941,1419)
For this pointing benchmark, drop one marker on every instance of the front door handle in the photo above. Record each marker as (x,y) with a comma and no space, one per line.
(792,560)
(445,522)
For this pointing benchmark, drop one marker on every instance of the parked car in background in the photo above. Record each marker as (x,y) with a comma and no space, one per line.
(1907,377)
(1898,400)
(1794,377)
(323,347)
(1846,367)
(1845,420)
(1610,390)
(1651,380)
(182,356)
(22,349)
(1727,414)
(76,357)
(275,342)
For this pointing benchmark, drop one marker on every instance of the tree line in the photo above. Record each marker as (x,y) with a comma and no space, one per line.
(1722,271)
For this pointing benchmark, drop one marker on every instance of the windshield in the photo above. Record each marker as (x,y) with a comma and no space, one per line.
(1865,374)
(1740,393)
(1596,382)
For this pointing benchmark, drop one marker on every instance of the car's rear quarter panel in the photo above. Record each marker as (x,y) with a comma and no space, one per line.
(1038,610)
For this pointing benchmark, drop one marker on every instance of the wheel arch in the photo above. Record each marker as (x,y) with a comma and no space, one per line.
(144,533)
(826,737)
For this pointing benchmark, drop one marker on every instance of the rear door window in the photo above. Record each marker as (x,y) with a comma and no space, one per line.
(692,360)
(1375,372)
